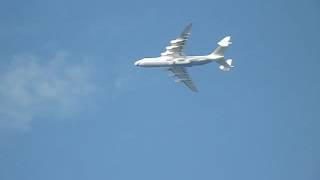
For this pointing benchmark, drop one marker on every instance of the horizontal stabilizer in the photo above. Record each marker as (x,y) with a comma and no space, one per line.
(223,68)
(229,62)
(225,65)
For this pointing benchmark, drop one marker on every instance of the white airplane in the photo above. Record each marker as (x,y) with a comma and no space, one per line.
(176,61)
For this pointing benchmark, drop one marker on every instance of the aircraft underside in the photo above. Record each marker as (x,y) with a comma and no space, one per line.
(184,63)
(176,62)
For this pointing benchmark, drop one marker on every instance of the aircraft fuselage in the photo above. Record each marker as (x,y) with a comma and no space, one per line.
(168,61)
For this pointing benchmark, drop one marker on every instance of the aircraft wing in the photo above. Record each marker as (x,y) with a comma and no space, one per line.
(183,76)
(177,45)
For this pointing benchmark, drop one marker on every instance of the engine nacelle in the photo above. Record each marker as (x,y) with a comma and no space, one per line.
(177,41)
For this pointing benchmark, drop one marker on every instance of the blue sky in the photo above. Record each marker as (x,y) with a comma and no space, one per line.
(73,106)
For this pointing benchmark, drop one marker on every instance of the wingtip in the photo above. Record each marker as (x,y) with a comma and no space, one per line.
(189,26)
(195,90)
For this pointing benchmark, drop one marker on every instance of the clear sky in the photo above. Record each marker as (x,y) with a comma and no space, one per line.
(73,105)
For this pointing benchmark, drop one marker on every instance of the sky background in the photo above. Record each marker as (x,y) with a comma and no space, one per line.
(73,105)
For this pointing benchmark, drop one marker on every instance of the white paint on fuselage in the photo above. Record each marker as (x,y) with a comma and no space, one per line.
(168,61)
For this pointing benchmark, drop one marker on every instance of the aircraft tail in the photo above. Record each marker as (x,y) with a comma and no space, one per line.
(225,65)
(223,45)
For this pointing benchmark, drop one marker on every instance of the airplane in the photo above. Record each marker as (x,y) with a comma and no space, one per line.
(175,61)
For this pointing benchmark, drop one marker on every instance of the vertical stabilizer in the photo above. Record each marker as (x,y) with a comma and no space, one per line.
(223,45)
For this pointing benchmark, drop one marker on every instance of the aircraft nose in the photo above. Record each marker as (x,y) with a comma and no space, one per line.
(136,63)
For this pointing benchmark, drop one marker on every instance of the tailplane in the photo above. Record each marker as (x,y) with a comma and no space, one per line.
(225,65)
(218,54)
